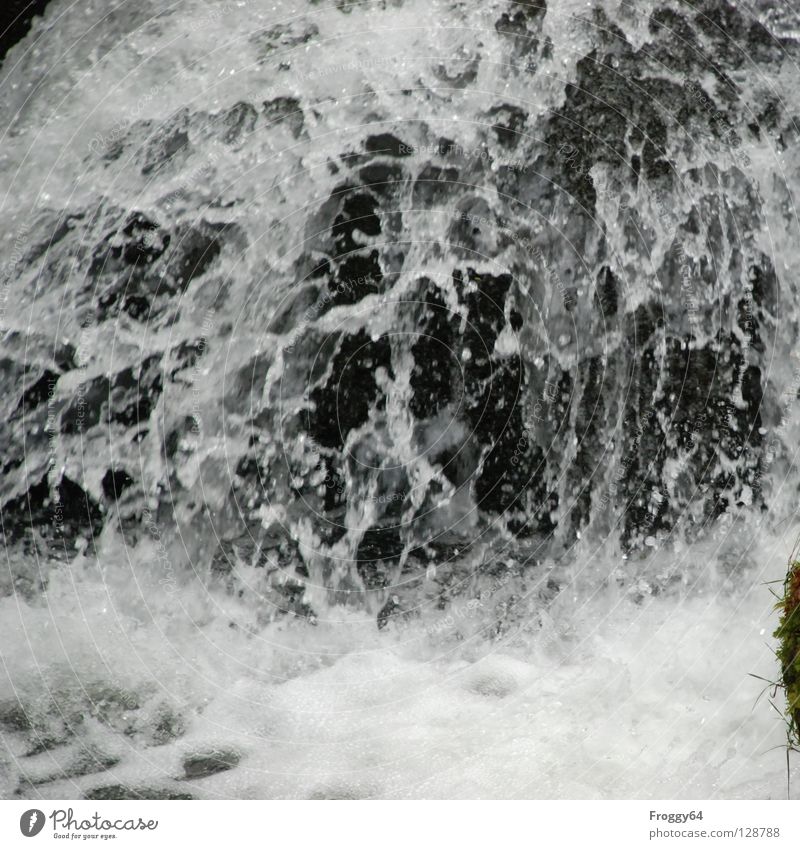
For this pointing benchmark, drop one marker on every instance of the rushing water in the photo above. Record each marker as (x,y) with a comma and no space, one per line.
(400,398)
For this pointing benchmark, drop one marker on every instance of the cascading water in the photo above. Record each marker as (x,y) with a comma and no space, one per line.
(400,398)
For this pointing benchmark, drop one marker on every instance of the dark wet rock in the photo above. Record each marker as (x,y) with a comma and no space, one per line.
(434,356)
(140,241)
(445,547)
(115,482)
(14,376)
(391,611)
(290,600)
(508,122)
(520,25)
(434,185)
(61,719)
(719,441)
(236,125)
(38,392)
(590,427)
(606,106)
(641,324)
(499,458)
(61,514)
(357,276)
(185,357)
(127,399)
(300,305)
(512,464)
(484,296)
(168,725)
(283,585)
(674,41)
(767,118)
(139,267)
(358,216)
(734,36)
(382,177)
(14,717)
(522,17)
(284,36)
(378,554)
(387,144)
(49,230)
(109,704)
(86,760)
(764,284)
(335,486)
(167,144)
(196,250)
(460,71)
(121,792)
(89,761)
(607,293)
(230,554)
(239,389)
(204,764)
(344,401)
(510,426)
(174,442)
(44,724)
(473,230)
(286,112)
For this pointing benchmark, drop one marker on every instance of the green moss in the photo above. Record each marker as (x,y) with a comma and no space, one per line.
(788,634)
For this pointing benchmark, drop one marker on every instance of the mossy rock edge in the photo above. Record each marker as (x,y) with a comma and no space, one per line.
(788,634)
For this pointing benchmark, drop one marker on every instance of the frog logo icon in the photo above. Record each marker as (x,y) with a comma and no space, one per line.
(31,822)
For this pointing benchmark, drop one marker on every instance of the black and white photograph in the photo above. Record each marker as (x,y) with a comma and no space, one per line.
(400,401)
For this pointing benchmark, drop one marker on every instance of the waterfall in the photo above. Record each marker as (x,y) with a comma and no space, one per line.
(357,356)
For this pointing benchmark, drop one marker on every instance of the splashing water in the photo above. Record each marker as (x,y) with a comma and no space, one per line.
(396,408)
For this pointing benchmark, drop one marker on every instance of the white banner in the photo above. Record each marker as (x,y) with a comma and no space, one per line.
(400,825)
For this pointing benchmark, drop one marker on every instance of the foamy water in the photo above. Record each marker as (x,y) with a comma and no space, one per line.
(137,667)
(611,698)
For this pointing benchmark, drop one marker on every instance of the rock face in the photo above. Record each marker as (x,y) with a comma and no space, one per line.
(397,336)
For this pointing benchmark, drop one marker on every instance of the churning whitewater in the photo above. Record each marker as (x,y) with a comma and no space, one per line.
(400,399)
